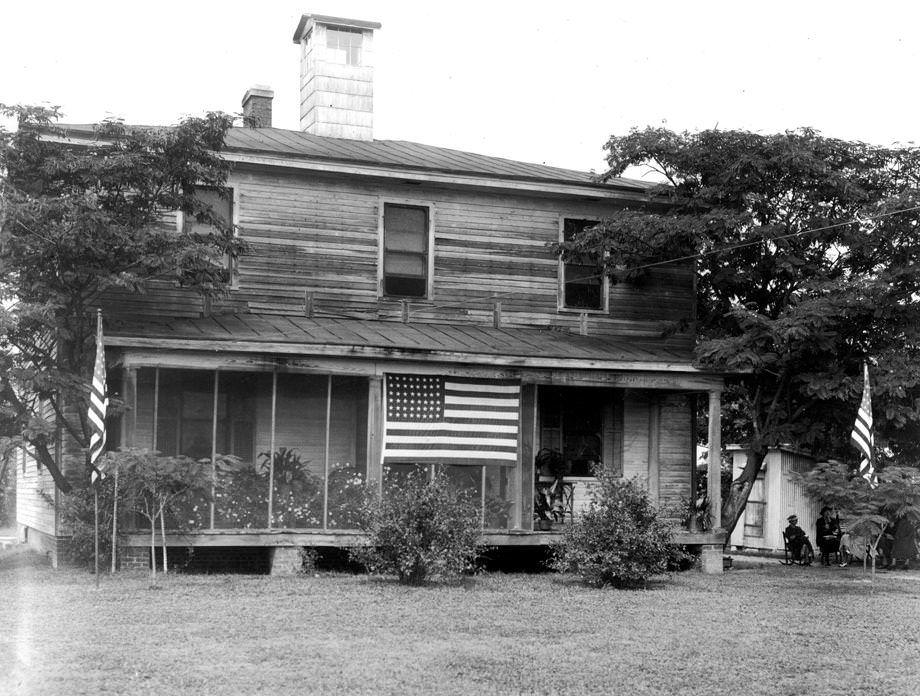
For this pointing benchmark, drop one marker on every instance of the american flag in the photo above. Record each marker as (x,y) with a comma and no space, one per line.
(451,420)
(862,432)
(98,404)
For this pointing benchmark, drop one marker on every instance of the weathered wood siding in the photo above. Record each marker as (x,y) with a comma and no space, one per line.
(675,455)
(33,510)
(320,234)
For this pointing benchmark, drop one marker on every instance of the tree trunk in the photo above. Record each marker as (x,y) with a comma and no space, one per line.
(47,460)
(738,494)
(153,547)
(163,534)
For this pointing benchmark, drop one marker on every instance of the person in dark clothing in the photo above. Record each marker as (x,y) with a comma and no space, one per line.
(827,532)
(904,543)
(795,537)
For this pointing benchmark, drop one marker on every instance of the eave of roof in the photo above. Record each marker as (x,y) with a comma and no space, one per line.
(379,339)
(277,147)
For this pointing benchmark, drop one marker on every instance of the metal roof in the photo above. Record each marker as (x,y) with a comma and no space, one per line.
(395,154)
(379,338)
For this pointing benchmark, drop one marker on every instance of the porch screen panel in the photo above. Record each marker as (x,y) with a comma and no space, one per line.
(243,421)
(185,408)
(347,451)
(300,451)
(451,420)
(497,498)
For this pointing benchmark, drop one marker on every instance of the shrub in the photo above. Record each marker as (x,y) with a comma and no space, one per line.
(619,540)
(421,530)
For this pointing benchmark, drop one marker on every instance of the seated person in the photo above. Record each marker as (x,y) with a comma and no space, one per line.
(827,532)
(795,537)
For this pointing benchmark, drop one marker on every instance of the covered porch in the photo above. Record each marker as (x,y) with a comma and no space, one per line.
(304,417)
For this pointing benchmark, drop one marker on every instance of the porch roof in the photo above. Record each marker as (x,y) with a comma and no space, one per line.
(382,339)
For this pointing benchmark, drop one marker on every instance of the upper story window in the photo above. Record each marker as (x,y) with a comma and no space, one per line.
(224,207)
(406,250)
(583,283)
(344,46)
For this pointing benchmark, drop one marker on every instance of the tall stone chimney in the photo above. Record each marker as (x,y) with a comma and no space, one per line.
(336,76)
(257,107)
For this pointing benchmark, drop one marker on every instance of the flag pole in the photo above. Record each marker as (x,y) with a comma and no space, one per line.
(96,532)
(115,519)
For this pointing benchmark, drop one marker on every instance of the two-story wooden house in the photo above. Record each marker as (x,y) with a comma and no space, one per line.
(400,308)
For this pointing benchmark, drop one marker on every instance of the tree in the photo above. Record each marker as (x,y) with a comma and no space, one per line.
(153,485)
(76,221)
(868,511)
(806,253)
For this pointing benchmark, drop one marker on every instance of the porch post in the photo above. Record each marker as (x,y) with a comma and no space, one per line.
(715,459)
(654,419)
(374,434)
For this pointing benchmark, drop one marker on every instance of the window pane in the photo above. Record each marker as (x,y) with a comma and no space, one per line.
(299,457)
(347,451)
(222,207)
(405,287)
(571,227)
(405,218)
(583,289)
(344,47)
(243,431)
(405,240)
(403,264)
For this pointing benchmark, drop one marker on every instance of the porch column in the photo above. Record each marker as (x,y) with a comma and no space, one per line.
(715,459)
(374,434)
(129,416)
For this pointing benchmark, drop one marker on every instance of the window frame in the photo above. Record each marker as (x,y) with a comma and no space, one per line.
(231,263)
(605,281)
(381,248)
(349,51)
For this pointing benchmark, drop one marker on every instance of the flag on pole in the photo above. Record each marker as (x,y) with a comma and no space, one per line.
(451,420)
(862,432)
(98,404)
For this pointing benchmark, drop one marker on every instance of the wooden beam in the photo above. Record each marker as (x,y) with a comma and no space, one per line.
(528,441)
(375,433)
(714,482)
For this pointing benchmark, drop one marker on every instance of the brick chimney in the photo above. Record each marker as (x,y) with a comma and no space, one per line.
(336,76)
(257,107)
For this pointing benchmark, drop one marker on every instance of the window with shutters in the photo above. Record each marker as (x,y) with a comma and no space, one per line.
(406,267)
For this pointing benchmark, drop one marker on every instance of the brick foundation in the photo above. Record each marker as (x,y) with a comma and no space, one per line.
(286,560)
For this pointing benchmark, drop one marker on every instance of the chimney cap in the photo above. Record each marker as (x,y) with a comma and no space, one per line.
(258,91)
(308,20)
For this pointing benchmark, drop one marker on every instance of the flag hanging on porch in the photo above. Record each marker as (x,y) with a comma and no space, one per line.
(98,404)
(451,420)
(862,432)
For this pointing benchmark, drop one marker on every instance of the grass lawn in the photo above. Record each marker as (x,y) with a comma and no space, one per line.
(766,630)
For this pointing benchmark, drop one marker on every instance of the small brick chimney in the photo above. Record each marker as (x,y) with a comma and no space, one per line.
(257,107)
(336,76)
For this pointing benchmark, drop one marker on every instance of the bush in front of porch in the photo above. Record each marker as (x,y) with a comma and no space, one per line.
(620,540)
(421,529)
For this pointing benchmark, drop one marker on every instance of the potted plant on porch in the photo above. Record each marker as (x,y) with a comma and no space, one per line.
(548,496)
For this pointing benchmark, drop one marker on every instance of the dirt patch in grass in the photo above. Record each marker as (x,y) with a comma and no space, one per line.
(759,631)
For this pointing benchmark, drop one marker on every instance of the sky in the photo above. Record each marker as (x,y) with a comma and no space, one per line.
(534,81)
